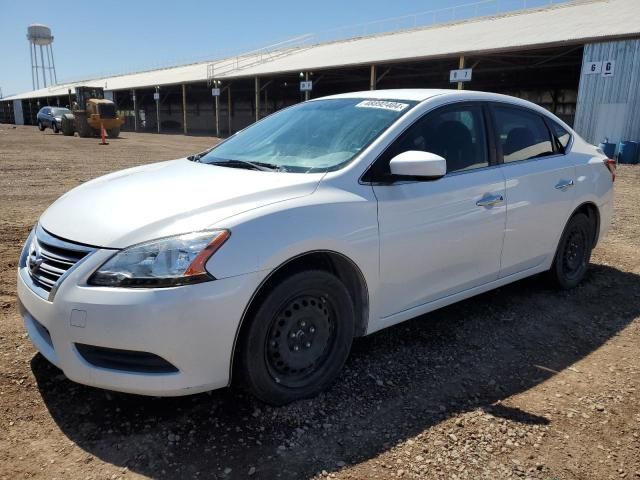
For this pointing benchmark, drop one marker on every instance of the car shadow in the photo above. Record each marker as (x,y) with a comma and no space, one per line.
(396,384)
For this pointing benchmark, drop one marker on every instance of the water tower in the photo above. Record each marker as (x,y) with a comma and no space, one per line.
(40,36)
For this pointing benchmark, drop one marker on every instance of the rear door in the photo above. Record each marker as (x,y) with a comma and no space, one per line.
(44,117)
(440,237)
(540,187)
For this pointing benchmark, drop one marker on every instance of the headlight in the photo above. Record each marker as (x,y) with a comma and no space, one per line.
(166,262)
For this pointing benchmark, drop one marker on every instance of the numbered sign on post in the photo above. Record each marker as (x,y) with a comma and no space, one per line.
(156,96)
(461,75)
(306,86)
(215,92)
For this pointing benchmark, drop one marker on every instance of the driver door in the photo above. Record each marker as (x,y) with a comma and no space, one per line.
(440,237)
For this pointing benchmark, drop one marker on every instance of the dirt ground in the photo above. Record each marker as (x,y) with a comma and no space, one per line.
(522,382)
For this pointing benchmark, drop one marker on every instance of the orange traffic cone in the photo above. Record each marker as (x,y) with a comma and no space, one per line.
(103,134)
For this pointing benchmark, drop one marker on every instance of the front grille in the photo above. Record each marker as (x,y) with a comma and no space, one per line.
(107,110)
(50,257)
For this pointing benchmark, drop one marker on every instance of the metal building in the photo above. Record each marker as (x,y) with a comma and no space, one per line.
(545,55)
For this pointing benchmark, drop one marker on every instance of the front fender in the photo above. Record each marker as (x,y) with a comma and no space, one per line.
(329,219)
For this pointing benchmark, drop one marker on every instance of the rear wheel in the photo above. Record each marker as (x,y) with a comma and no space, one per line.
(113,132)
(574,251)
(299,338)
(68,125)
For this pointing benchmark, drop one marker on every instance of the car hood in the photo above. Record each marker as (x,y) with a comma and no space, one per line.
(167,198)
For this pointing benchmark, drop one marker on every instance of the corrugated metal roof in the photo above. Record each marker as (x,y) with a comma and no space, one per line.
(578,22)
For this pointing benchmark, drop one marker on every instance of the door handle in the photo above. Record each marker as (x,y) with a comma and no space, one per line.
(564,185)
(490,201)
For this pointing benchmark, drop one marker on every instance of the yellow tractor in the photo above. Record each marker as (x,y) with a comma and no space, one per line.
(90,111)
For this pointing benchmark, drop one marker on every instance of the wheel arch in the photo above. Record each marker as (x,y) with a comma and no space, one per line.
(328,260)
(592,212)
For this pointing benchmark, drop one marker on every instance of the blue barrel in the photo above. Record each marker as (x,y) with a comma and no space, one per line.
(609,149)
(628,152)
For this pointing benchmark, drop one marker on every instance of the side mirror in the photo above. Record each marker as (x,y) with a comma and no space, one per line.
(415,163)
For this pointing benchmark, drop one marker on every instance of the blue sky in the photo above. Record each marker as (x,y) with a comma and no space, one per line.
(117,36)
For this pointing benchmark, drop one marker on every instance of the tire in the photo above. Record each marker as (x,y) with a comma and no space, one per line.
(82,126)
(574,251)
(113,132)
(68,125)
(55,127)
(299,338)
(41,127)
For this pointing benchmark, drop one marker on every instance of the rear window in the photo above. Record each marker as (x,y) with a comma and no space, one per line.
(523,135)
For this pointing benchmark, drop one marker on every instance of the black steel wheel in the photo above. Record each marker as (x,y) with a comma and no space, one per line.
(299,338)
(574,251)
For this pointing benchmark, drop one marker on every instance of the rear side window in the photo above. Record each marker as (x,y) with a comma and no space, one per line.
(522,135)
(561,135)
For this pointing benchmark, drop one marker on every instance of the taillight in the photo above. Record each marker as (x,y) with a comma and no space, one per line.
(611,166)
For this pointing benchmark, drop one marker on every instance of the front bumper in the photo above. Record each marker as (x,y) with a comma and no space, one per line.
(192,327)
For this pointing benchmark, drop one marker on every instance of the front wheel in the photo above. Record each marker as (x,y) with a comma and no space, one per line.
(41,127)
(55,127)
(574,251)
(113,132)
(299,338)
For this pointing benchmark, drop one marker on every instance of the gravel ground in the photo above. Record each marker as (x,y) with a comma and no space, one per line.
(522,382)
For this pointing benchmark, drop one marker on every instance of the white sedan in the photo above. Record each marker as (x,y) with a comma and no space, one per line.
(265,256)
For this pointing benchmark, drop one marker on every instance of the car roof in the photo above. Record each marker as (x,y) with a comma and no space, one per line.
(415,94)
(422,94)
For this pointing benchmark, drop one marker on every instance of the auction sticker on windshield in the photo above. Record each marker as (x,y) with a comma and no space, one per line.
(383,104)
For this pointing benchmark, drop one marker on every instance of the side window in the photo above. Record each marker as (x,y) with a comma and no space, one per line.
(455,133)
(562,136)
(522,135)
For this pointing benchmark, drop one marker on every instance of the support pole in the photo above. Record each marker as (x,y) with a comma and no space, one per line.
(257,88)
(53,65)
(306,93)
(373,81)
(47,48)
(229,119)
(33,81)
(266,101)
(217,104)
(44,76)
(158,109)
(461,65)
(135,110)
(184,108)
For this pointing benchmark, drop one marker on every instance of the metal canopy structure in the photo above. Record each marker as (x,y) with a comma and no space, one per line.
(574,23)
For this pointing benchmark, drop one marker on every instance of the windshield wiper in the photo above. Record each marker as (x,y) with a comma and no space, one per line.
(264,167)
(196,157)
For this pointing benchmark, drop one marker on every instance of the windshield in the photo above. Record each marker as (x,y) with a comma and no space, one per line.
(311,136)
(59,111)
